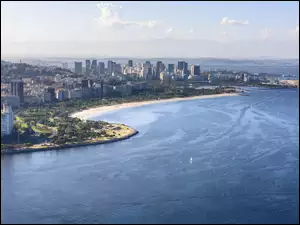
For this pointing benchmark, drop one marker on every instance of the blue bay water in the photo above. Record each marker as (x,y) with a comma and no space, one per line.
(221,160)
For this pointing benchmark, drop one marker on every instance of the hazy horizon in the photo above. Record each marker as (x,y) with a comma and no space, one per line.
(163,48)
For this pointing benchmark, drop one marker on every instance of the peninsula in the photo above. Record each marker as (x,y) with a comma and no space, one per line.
(66,124)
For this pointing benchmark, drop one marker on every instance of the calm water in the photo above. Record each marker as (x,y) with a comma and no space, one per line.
(223,160)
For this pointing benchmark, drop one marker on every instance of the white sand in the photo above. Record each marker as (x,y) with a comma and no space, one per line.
(97,111)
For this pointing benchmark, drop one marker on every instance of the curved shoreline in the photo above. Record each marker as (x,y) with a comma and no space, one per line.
(87,113)
(29,150)
(102,109)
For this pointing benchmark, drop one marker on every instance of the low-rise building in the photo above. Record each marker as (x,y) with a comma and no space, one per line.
(253,77)
(61,94)
(49,94)
(124,90)
(107,90)
(13,101)
(58,78)
(226,76)
(75,93)
(139,86)
(32,99)
(97,92)
(46,97)
(86,92)
(27,80)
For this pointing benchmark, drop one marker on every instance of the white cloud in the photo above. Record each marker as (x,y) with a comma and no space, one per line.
(110,17)
(227,21)
(191,30)
(169,30)
(265,33)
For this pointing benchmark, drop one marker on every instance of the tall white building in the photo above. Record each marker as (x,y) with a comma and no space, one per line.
(7,120)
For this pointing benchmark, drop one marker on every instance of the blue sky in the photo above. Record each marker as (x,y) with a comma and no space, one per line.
(222,22)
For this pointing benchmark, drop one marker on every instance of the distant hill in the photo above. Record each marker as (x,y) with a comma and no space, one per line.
(17,70)
(158,48)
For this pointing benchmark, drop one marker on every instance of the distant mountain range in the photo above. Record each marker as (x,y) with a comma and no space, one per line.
(206,61)
(158,48)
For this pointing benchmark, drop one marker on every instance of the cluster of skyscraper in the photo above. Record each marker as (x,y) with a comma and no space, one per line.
(92,67)
(147,69)
(182,65)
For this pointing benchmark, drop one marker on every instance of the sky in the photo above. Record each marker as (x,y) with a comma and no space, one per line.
(150,29)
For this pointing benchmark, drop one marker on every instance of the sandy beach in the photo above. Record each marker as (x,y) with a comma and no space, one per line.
(85,114)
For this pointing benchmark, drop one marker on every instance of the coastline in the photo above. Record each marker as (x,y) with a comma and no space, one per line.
(85,114)
(29,150)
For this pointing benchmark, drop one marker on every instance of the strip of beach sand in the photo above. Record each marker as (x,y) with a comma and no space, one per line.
(97,111)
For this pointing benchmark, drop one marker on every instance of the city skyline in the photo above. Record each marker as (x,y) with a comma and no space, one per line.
(151,29)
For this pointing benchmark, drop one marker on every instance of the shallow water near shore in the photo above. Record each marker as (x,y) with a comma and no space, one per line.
(244,167)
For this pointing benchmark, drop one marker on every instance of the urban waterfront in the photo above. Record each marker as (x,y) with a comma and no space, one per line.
(222,160)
